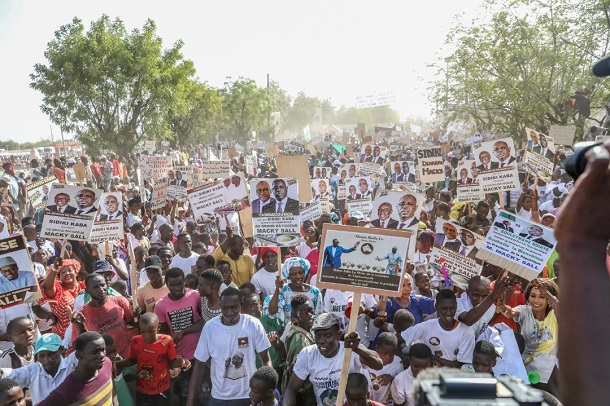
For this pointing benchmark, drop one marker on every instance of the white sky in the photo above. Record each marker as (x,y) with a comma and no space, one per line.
(337,49)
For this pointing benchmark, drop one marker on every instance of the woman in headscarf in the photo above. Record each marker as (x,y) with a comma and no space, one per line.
(59,289)
(295,270)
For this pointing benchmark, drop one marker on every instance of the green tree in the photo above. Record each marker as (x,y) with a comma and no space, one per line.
(245,108)
(109,87)
(370,116)
(193,116)
(522,64)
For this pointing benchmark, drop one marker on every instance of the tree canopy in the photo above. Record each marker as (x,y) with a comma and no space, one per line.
(522,65)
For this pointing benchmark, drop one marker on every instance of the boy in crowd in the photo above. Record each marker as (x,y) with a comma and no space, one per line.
(120,382)
(21,332)
(154,354)
(403,319)
(451,341)
(263,387)
(357,391)
(484,357)
(11,394)
(252,306)
(225,269)
(380,380)
(420,358)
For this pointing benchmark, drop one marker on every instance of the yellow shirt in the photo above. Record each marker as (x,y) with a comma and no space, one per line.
(242,270)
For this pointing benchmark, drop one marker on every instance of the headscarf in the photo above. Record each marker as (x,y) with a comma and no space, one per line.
(265,250)
(72,263)
(8,168)
(295,262)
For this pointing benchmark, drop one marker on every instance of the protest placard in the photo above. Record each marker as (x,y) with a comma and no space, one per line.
(111,207)
(539,154)
(70,176)
(320,189)
(321,172)
(359,187)
(365,206)
(563,135)
(370,153)
(18,283)
(312,212)
(455,247)
(150,146)
(365,260)
(178,182)
(159,194)
(497,171)
(369,169)
(106,230)
(73,213)
(295,167)
(402,172)
(396,210)
(468,186)
(38,192)
(210,200)
(154,167)
(518,245)
(347,171)
(538,165)
(275,212)
(80,172)
(215,169)
(431,166)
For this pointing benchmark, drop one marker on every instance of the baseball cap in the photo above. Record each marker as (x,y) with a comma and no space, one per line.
(325,321)
(47,342)
(153,262)
(102,266)
(602,67)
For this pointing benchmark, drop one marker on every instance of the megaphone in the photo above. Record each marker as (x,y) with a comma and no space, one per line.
(348,308)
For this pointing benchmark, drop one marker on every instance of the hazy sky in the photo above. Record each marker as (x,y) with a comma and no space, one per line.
(337,49)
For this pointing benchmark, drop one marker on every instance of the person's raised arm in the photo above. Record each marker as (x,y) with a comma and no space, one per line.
(583,240)
(224,246)
(473,315)
(274,302)
(49,282)
(368,357)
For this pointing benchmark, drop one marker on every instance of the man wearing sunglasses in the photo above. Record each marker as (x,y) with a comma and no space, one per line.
(263,191)
(84,203)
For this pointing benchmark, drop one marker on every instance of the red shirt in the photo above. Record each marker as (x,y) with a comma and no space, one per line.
(110,319)
(516,298)
(155,359)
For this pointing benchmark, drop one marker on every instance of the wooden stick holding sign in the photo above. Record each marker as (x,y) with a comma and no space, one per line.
(347,355)
(63,248)
(133,272)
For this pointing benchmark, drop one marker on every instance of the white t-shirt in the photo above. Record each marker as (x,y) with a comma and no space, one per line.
(454,345)
(464,305)
(526,214)
(224,344)
(324,373)
(402,386)
(264,282)
(184,263)
(382,395)
(335,301)
(547,206)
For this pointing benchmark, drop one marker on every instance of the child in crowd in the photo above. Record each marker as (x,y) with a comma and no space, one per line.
(380,381)
(154,354)
(420,358)
(263,387)
(120,384)
(357,391)
(403,319)
(191,281)
(11,393)
(21,332)
(484,357)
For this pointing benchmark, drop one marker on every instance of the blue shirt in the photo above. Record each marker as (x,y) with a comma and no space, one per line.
(425,305)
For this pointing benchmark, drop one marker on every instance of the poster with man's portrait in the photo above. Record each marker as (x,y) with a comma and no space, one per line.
(359,188)
(539,154)
(395,209)
(70,212)
(18,283)
(371,153)
(496,165)
(275,212)
(38,192)
(321,172)
(468,186)
(402,172)
(320,189)
(109,222)
(178,183)
(347,172)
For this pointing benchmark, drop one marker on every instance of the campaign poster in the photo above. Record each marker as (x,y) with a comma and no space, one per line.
(72,213)
(216,169)
(347,172)
(158,199)
(468,186)
(38,192)
(177,184)
(70,176)
(18,283)
(106,230)
(341,192)
(369,169)
(396,210)
(431,164)
(209,200)
(235,194)
(497,166)
(370,153)
(321,172)
(275,212)
(364,206)
(320,189)
(312,212)
(402,172)
(518,245)
(539,154)
(150,146)
(456,248)
(154,167)
(359,188)
(358,259)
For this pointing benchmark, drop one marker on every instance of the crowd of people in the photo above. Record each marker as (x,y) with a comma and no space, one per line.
(214,323)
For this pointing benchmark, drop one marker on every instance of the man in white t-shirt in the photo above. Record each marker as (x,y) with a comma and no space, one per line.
(233,357)
(322,363)
(264,279)
(186,258)
(476,308)
(451,342)
(420,358)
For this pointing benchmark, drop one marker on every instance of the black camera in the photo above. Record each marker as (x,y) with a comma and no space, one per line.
(575,164)
(462,388)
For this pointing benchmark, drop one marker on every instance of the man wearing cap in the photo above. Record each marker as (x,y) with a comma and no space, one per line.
(12,278)
(50,370)
(149,294)
(322,363)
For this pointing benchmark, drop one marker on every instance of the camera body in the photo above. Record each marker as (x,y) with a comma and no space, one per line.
(575,164)
(462,388)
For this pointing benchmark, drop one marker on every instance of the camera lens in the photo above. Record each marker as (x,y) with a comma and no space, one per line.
(576,163)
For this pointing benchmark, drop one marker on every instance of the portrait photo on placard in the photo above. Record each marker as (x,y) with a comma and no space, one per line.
(77,200)
(347,172)
(396,209)
(495,154)
(18,283)
(321,172)
(320,189)
(371,153)
(280,195)
(360,187)
(402,171)
(111,206)
(467,173)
